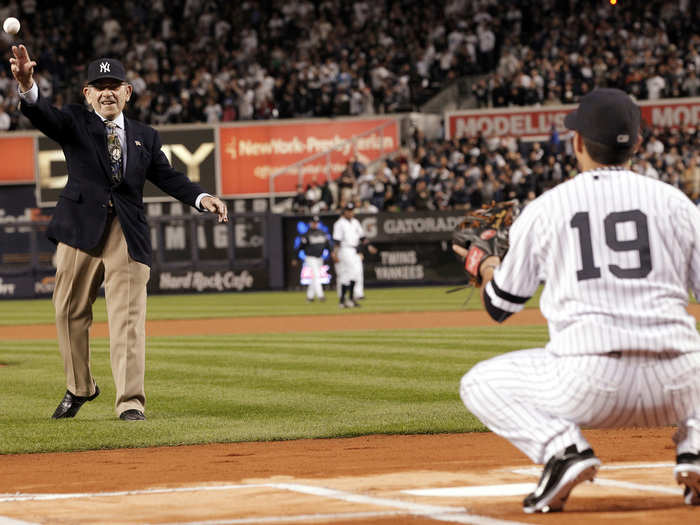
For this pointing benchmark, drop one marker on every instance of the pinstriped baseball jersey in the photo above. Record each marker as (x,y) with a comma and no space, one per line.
(617,252)
(348,232)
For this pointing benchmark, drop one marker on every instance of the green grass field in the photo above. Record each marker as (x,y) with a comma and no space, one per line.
(256,387)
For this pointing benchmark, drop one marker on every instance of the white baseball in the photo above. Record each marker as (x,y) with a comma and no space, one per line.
(11,25)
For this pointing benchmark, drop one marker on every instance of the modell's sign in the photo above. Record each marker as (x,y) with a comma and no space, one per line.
(537,123)
(251,154)
(509,122)
(672,113)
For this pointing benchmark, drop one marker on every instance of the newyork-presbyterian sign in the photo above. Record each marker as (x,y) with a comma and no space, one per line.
(251,154)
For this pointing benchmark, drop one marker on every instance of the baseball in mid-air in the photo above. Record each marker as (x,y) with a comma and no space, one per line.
(11,25)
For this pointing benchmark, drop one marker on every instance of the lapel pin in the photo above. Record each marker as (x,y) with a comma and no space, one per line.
(137,142)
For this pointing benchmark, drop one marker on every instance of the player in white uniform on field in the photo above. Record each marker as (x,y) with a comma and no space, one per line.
(618,253)
(348,236)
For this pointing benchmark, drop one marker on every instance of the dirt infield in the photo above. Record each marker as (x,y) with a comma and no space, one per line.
(360,480)
(309,323)
(457,478)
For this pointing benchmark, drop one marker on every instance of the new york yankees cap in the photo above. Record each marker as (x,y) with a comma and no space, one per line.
(105,68)
(315,218)
(349,206)
(608,116)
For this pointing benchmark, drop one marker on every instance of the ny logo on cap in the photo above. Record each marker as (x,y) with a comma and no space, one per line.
(623,139)
(104,67)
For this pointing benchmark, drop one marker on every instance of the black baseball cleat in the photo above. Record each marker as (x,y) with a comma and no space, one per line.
(70,404)
(687,472)
(561,474)
(132,415)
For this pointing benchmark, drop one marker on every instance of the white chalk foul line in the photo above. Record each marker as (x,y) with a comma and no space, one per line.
(533,471)
(475,491)
(638,465)
(435,512)
(638,486)
(296,518)
(4,520)
(351,497)
(517,489)
(50,497)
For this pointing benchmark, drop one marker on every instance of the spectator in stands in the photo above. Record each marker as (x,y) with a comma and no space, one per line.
(691,85)
(346,186)
(300,204)
(459,196)
(365,206)
(691,175)
(5,120)
(302,59)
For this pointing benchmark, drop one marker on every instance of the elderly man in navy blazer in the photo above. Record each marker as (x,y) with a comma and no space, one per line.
(100,226)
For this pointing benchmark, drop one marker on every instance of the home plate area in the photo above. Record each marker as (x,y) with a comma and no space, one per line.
(622,491)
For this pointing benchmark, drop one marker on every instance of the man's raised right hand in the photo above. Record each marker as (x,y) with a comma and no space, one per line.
(22,67)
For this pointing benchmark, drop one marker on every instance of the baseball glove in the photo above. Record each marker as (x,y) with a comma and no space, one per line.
(482,233)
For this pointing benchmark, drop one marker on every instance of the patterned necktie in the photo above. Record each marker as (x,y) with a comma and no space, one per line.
(114,148)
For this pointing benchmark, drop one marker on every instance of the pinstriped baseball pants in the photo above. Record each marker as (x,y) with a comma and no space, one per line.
(538,400)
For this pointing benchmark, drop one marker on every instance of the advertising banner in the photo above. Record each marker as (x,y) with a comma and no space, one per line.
(414,248)
(16,287)
(23,242)
(527,123)
(672,113)
(413,263)
(535,123)
(188,281)
(415,226)
(189,150)
(251,154)
(179,233)
(17,154)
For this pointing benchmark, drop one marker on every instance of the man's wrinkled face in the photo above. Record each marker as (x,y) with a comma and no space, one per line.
(108,96)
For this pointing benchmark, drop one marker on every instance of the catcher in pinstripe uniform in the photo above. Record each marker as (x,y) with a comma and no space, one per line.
(618,253)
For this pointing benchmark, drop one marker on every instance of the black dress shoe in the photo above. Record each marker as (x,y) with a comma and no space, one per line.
(70,404)
(132,415)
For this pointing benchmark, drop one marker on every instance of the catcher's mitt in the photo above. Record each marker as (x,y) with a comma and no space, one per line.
(482,233)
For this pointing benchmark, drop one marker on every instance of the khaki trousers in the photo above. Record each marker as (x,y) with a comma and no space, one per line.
(79,276)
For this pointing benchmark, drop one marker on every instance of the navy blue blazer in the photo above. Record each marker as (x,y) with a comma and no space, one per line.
(80,216)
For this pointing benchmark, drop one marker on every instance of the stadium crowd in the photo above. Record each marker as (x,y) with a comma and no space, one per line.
(466,173)
(651,53)
(215,60)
